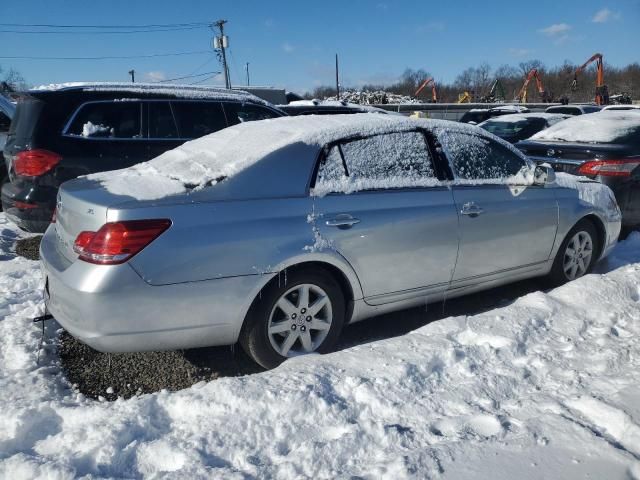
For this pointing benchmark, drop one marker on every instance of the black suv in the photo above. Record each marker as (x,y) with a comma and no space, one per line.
(61,132)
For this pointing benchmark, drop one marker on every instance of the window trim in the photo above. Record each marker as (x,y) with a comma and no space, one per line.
(434,159)
(144,125)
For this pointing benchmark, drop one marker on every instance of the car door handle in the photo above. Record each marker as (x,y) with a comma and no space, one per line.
(342,221)
(472,210)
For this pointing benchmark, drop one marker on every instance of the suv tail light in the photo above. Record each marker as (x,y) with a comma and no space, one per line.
(33,163)
(117,242)
(609,168)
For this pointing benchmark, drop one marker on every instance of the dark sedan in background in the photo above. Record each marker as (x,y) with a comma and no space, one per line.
(604,146)
(520,126)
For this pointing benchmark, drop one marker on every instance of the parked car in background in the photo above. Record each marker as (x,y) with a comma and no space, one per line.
(277,233)
(63,131)
(520,126)
(327,107)
(605,147)
(479,115)
(573,109)
(7,110)
(635,108)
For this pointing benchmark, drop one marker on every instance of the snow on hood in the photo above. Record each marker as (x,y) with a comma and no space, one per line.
(517,117)
(177,91)
(210,159)
(590,191)
(602,127)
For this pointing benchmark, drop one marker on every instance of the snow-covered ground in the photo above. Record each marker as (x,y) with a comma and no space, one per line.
(547,387)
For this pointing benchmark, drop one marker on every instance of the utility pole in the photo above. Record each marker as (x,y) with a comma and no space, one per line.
(221,42)
(246,66)
(337,80)
(133,76)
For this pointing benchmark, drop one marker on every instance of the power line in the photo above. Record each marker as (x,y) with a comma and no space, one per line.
(112,32)
(19,57)
(188,76)
(204,79)
(49,25)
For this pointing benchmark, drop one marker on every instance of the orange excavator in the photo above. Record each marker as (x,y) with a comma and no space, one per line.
(602,91)
(425,84)
(522,95)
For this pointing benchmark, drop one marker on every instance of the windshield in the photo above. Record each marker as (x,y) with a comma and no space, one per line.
(521,128)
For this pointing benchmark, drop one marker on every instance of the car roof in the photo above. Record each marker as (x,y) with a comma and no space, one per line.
(516,117)
(150,89)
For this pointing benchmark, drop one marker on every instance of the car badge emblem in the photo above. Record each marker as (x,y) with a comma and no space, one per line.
(551,152)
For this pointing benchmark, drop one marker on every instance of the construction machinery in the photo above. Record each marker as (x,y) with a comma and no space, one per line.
(496,93)
(602,91)
(522,95)
(425,84)
(464,97)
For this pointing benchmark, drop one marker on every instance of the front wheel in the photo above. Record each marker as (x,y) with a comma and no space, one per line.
(577,254)
(304,315)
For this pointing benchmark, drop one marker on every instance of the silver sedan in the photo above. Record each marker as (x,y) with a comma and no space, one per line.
(275,234)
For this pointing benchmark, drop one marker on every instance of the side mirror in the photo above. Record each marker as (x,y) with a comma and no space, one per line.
(544,174)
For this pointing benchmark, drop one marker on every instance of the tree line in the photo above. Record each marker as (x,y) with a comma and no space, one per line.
(479,80)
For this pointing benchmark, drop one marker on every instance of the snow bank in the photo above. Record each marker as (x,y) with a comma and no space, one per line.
(603,127)
(547,387)
(89,129)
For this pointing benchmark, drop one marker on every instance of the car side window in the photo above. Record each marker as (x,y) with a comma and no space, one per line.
(394,160)
(196,119)
(474,157)
(246,112)
(160,121)
(116,120)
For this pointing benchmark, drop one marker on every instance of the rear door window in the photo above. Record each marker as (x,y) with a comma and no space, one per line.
(474,157)
(390,161)
(160,121)
(116,120)
(196,119)
(247,112)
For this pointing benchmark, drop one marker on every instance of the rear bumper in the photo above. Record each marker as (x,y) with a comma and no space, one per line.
(110,308)
(35,219)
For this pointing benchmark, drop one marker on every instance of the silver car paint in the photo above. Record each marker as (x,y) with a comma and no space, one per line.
(194,285)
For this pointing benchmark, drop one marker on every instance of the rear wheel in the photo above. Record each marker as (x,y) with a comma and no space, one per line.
(303,316)
(577,254)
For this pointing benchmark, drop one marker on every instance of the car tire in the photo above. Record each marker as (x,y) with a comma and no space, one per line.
(284,321)
(577,255)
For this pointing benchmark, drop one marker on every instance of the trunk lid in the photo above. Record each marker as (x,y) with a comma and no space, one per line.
(568,157)
(81,205)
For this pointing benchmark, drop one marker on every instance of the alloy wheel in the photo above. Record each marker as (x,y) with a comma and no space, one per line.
(300,320)
(577,255)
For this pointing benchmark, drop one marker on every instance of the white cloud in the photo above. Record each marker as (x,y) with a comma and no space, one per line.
(155,76)
(520,52)
(287,47)
(604,15)
(556,30)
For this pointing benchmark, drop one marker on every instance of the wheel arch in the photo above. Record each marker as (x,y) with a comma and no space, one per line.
(597,222)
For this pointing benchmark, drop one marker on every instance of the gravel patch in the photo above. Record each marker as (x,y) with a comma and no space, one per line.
(29,247)
(110,376)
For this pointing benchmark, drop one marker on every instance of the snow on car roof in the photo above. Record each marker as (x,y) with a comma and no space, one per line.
(516,117)
(179,91)
(210,159)
(602,127)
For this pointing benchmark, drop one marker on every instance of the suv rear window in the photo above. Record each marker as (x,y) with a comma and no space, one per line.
(108,120)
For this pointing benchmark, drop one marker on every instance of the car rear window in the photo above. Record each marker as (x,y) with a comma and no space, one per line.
(160,121)
(116,120)
(394,160)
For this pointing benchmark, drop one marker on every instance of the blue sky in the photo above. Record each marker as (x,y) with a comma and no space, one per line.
(292,43)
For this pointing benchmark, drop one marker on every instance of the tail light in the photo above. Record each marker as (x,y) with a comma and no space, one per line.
(117,242)
(24,205)
(609,168)
(33,163)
